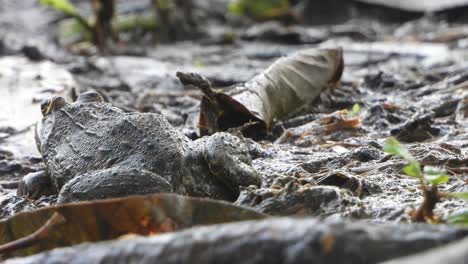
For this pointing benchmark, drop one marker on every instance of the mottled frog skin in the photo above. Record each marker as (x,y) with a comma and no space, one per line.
(94,150)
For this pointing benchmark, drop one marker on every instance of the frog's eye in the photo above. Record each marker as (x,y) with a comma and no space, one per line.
(52,104)
(46,106)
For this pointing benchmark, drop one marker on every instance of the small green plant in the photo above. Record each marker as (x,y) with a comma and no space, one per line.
(101,30)
(354,112)
(198,62)
(429,179)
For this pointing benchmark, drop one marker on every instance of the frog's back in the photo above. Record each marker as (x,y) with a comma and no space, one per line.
(94,136)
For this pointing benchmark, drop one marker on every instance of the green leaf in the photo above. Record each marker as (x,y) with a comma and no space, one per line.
(459,217)
(460,195)
(413,169)
(236,8)
(64,6)
(259,9)
(437,179)
(392,146)
(435,175)
(356,109)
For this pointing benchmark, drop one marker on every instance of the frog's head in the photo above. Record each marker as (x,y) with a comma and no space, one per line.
(44,126)
(49,119)
(52,104)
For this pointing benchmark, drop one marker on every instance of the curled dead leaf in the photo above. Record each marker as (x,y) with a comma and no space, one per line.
(280,91)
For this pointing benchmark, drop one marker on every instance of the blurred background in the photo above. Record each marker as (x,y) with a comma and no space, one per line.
(129,50)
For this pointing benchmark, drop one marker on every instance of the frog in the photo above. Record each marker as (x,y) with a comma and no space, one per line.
(94,150)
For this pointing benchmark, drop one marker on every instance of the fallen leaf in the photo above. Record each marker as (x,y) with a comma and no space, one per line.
(75,223)
(278,92)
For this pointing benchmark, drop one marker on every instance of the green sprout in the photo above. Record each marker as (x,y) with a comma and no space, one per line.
(354,112)
(198,62)
(429,178)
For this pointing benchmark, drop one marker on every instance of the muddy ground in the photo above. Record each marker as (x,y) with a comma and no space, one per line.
(409,78)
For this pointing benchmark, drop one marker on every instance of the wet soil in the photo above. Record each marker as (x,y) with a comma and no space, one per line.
(408,78)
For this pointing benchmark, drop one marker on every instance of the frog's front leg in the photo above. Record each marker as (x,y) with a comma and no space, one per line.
(229,161)
(35,185)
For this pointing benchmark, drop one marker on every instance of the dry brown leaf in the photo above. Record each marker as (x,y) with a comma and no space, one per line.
(280,91)
(113,218)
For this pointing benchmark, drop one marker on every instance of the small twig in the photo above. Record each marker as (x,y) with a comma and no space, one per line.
(210,109)
(42,233)
(198,81)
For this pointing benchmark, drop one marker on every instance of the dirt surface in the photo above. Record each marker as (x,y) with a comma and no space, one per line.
(409,79)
